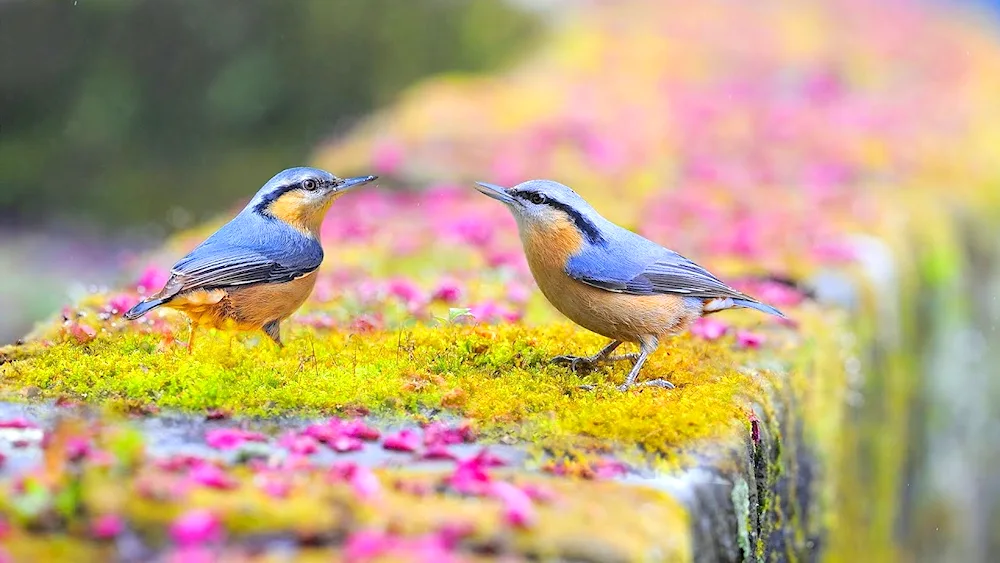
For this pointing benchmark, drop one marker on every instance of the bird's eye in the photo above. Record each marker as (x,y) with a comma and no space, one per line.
(537,198)
(309,185)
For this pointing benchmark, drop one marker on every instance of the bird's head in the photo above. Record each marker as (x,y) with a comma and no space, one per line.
(301,196)
(545,205)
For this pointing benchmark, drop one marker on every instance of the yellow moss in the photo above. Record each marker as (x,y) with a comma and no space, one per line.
(498,376)
(635,523)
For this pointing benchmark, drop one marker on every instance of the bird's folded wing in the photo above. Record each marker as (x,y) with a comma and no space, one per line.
(213,266)
(664,272)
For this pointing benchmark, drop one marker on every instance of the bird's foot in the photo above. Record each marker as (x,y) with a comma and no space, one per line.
(578,364)
(663,383)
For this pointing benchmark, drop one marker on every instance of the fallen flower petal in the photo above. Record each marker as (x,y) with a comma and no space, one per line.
(709,329)
(747,339)
(77,448)
(405,440)
(231,438)
(438,452)
(301,444)
(519,510)
(195,527)
(106,526)
(17,423)
(344,444)
(209,475)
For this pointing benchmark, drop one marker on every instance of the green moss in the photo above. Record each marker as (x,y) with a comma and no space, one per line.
(498,376)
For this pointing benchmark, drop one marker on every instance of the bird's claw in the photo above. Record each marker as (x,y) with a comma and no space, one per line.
(575,363)
(662,383)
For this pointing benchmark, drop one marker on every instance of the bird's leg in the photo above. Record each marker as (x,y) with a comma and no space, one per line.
(191,333)
(577,363)
(273,329)
(647,346)
(633,356)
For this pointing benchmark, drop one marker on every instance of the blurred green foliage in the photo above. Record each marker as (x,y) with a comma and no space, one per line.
(124,112)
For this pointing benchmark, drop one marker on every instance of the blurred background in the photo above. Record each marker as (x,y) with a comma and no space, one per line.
(123,121)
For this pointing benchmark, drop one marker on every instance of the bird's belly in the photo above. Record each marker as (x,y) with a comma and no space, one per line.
(247,307)
(616,315)
(260,304)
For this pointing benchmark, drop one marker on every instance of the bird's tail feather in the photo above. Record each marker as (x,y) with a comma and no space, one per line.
(143,308)
(759,306)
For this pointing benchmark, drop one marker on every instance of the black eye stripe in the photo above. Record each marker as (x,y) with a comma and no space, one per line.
(588,228)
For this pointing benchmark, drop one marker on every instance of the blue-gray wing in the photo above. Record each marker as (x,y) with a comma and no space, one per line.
(646,269)
(216,264)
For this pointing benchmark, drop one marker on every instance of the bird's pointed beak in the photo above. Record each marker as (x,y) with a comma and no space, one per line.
(496,192)
(350,183)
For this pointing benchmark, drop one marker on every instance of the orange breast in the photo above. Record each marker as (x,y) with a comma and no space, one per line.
(614,315)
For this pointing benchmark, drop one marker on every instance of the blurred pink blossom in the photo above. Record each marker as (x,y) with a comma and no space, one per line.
(151,280)
(18,423)
(196,526)
(709,329)
(406,440)
(107,526)
(210,475)
(120,303)
(448,291)
(519,510)
(387,157)
(301,444)
(231,438)
(747,339)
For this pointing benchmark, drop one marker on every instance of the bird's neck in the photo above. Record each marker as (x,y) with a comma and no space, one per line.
(296,213)
(548,247)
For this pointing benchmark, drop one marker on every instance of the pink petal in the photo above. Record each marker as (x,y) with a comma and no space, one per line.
(209,475)
(106,526)
(609,469)
(539,493)
(195,527)
(519,510)
(365,483)
(299,443)
(231,438)
(77,448)
(470,477)
(440,434)
(405,440)
(356,428)
(361,479)
(273,485)
(438,452)
(17,423)
(747,339)
(447,291)
(81,332)
(343,444)
(709,328)
(407,291)
(367,545)
(152,279)
(121,303)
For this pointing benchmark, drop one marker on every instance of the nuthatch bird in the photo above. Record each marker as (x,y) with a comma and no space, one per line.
(257,269)
(608,279)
